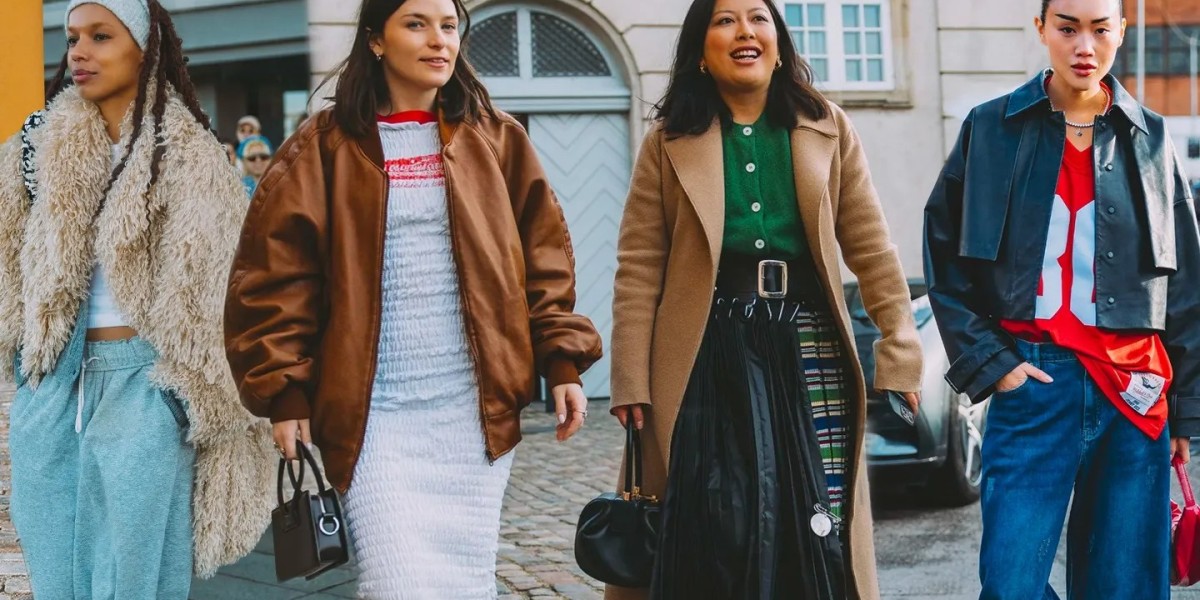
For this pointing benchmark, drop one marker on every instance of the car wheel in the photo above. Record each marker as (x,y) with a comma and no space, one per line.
(957,482)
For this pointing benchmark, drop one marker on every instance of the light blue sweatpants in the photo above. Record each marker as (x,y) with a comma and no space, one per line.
(102,478)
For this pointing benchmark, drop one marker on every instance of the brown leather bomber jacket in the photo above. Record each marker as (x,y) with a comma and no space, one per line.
(303,307)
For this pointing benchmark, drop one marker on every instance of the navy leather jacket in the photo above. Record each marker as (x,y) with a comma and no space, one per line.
(986,225)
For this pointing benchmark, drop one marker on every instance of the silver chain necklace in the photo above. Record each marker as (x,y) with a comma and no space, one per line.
(1079,127)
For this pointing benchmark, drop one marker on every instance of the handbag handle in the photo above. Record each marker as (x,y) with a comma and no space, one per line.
(1185,482)
(633,467)
(305,456)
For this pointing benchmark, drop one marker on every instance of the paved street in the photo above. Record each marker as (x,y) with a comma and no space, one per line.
(923,553)
(549,485)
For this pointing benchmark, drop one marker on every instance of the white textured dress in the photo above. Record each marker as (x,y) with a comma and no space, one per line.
(424,510)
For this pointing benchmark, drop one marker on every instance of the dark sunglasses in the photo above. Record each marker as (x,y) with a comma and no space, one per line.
(258,157)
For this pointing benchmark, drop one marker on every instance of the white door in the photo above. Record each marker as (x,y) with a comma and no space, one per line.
(586,157)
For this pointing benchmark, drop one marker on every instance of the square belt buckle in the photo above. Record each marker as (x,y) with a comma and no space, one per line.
(781,268)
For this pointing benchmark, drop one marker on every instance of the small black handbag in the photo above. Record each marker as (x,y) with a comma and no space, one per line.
(308,529)
(617,536)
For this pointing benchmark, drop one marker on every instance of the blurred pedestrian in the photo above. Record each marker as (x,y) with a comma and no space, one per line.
(731,341)
(133,464)
(1062,257)
(255,154)
(248,126)
(403,275)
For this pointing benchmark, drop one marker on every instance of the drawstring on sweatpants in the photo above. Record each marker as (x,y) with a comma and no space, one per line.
(79,408)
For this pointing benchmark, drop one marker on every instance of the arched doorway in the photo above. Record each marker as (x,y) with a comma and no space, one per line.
(555,73)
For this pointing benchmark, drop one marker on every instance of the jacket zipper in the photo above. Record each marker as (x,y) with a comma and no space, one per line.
(376,327)
(466,314)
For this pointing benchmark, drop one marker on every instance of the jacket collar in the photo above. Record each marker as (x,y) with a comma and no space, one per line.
(372,145)
(1033,94)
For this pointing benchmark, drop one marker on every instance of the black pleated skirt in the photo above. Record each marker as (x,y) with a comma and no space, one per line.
(747,498)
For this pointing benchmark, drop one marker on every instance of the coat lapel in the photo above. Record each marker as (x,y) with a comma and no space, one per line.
(67,233)
(130,225)
(72,166)
(814,144)
(698,161)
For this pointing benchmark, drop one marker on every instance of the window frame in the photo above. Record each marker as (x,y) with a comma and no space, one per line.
(835,30)
(894,91)
(527,93)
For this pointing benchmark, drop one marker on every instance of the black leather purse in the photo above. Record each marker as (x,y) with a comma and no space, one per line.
(617,536)
(308,529)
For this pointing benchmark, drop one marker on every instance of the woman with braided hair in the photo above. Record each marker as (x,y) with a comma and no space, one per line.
(134,464)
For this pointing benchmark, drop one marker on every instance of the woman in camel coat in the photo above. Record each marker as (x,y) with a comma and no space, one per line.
(681,240)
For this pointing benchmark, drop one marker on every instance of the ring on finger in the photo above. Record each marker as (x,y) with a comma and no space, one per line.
(582,412)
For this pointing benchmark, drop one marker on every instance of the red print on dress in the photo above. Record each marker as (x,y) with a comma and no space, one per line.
(416,172)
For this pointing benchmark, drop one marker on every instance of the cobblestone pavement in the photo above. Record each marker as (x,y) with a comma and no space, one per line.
(549,485)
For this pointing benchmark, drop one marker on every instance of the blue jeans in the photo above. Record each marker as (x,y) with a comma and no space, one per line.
(102,477)
(1045,440)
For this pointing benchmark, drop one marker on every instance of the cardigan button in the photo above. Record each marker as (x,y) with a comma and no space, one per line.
(1112,300)
(760,244)
(748,131)
(756,207)
(1108,167)
(750,168)
(1110,254)
(1111,210)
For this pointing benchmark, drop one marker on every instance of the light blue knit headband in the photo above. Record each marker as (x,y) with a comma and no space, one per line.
(135,14)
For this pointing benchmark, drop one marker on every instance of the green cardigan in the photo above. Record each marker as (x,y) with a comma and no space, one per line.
(762,217)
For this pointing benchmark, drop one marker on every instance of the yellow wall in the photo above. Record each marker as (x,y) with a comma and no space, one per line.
(21,69)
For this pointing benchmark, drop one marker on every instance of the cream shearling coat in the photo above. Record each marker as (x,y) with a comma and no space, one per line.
(669,249)
(167,266)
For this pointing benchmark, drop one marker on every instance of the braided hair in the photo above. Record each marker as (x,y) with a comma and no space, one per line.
(164,64)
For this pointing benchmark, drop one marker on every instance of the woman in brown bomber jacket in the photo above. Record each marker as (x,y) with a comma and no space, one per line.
(404,272)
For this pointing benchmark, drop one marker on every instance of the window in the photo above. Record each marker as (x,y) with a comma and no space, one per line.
(493,47)
(537,59)
(848,43)
(1167,51)
(562,50)
(554,48)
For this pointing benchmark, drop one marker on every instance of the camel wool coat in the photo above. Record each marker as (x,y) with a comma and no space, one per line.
(668,252)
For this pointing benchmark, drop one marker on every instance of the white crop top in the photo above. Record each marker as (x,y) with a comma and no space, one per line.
(102,308)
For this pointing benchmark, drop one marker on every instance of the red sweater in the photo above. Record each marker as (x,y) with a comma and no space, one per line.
(1131,369)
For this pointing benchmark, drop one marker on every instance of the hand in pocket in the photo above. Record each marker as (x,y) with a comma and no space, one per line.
(1018,376)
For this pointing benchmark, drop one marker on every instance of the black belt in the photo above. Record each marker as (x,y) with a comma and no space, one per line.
(794,279)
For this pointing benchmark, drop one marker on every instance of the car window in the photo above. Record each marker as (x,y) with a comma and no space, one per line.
(854,302)
(922,312)
(917,289)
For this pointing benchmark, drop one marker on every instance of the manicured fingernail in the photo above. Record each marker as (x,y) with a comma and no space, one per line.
(562,418)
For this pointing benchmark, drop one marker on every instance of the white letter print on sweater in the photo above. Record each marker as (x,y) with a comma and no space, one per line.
(1080,241)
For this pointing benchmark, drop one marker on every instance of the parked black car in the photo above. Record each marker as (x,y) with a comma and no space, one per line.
(940,457)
